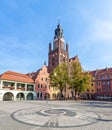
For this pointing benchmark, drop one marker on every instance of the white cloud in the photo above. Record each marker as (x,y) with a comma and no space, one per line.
(96,42)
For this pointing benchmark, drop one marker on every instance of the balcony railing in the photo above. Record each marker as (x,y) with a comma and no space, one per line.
(8,87)
(22,89)
(30,89)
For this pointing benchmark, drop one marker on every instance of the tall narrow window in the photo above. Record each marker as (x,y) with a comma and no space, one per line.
(40,95)
(38,85)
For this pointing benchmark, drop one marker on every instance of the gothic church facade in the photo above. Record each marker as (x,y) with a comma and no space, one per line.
(59,50)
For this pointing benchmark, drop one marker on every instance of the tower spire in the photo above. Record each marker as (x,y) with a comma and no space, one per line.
(58,31)
(58,20)
(58,54)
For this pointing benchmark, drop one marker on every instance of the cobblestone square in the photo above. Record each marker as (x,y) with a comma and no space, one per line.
(55,115)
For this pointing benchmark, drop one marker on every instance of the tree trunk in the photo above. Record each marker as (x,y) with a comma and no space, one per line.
(78,96)
(61,97)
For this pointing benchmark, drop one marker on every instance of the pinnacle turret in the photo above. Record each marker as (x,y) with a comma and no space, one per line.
(58,32)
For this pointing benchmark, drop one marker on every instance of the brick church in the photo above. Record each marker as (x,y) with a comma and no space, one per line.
(59,51)
(101,79)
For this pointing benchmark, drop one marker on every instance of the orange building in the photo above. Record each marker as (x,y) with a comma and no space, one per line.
(102,82)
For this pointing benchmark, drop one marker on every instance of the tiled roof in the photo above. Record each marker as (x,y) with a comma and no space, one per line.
(93,72)
(14,76)
(105,71)
(33,75)
(101,71)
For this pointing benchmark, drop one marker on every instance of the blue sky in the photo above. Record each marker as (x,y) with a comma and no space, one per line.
(27,27)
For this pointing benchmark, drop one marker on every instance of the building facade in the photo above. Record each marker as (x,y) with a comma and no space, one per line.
(42,84)
(41,79)
(16,86)
(58,53)
(102,82)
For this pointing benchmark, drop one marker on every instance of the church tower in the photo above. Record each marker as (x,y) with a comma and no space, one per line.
(58,53)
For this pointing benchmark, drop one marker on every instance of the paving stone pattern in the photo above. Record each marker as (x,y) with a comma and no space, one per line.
(56,115)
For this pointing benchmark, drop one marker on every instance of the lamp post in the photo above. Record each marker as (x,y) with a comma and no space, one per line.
(47,94)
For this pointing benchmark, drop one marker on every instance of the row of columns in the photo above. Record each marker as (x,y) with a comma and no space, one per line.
(1,84)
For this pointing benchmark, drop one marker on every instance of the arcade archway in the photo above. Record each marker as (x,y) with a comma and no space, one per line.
(46,96)
(54,96)
(20,96)
(8,96)
(30,96)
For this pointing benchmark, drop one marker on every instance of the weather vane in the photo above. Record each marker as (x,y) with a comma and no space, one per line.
(58,20)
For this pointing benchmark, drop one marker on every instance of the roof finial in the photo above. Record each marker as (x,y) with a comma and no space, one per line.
(58,20)
(45,63)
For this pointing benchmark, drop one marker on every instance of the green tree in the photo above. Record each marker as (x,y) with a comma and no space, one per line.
(79,80)
(59,78)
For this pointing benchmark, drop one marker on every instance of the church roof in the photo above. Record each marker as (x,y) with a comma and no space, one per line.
(75,58)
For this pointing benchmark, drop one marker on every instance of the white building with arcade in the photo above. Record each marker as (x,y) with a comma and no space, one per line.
(16,86)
